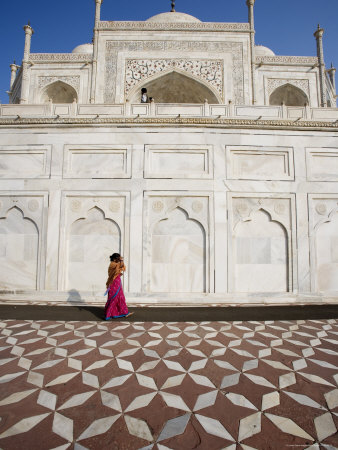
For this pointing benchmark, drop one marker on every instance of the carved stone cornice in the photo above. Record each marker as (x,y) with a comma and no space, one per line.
(159,26)
(207,122)
(288,60)
(60,57)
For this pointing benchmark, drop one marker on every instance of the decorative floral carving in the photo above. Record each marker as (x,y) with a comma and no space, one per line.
(42,57)
(33,205)
(197,206)
(299,60)
(274,83)
(138,70)
(196,26)
(321,209)
(157,206)
(279,208)
(75,205)
(188,47)
(242,208)
(72,81)
(114,206)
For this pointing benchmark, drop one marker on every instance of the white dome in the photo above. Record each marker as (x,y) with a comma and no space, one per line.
(173,17)
(84,48)
(260,50)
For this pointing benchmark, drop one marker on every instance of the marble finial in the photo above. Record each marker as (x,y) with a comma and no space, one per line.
(173,6)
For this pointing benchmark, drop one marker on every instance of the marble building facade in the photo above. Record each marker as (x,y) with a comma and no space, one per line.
(221,188)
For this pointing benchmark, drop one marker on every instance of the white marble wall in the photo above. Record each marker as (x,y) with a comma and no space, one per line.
(255,212)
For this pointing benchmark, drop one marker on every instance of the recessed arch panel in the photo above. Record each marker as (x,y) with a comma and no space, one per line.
(90,242)
(288,95)
(261,255)
(58,92)
(176,87)
(19,249)
(178,254)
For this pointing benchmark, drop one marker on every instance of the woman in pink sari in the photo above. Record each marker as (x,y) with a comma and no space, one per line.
(116,304)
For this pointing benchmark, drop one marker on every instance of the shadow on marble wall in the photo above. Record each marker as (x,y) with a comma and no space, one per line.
(74,297)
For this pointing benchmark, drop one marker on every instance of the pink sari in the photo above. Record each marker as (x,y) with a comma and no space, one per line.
(116,304)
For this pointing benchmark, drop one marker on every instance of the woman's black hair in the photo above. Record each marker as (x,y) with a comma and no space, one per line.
(115,257)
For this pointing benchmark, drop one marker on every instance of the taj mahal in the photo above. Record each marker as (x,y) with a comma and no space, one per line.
(207,161)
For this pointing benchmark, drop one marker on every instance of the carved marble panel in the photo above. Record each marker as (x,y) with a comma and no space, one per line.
(260,255)
(260,163)
(21,241)
(274,83)
(324,242)
(73,81)
(322,164)
(113,48)
(178,161)
(98,161)
(177,244)
(25,161)
(94,228)
(139,70)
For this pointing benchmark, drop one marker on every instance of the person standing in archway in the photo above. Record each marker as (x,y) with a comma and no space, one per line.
(116,306)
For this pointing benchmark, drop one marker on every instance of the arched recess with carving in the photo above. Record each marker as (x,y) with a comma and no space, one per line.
(58,92)
(261,254)
(175,87)
(178,254)
(326,253)
(19,250)
(288,95)
(91,240)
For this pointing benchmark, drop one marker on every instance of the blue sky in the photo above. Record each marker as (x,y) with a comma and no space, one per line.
(286,26)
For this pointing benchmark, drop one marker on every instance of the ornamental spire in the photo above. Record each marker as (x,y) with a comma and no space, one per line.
(173,6)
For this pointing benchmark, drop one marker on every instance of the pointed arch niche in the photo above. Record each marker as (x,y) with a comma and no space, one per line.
(19,249)
(58,92)
(260,255)
(90,242)
(288,95)
(178,254)
(326,248)
(175,87)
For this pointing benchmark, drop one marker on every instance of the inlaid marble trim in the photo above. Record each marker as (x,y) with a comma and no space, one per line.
(210,71)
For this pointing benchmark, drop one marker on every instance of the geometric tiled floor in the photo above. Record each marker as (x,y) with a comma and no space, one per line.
(158,385)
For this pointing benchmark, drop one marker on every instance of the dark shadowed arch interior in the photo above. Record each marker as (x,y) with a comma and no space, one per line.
(175,87)
(289,95)
(59,92)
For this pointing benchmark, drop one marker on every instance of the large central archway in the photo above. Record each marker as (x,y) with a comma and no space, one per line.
(175,87)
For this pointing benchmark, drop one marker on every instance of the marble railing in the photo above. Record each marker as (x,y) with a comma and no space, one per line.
(168,110)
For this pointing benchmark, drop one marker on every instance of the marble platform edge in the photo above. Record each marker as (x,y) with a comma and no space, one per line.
(168,300)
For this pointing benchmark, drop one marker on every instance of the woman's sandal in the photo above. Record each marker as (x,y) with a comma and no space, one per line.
(129,314)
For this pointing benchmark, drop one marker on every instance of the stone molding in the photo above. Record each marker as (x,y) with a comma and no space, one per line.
(293,60)
(210,71)
(194,26)
(184,121)
(73,81)
(234,48)
(274,83)
(60,57)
